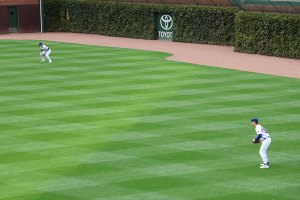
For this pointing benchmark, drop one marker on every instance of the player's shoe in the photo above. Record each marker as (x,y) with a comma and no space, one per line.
(264,166)
(42,60)
(50,61)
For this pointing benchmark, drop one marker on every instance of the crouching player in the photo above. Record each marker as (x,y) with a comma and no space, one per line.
(45,52)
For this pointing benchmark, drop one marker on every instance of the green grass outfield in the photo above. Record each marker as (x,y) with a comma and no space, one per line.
(108,123)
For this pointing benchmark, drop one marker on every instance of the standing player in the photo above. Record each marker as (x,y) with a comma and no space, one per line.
(264,136)
(45,52)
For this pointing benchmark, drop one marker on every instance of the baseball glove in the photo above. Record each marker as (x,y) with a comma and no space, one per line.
(254,141)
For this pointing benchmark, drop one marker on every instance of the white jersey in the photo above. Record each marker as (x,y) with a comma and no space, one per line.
(44,48)
(260,130)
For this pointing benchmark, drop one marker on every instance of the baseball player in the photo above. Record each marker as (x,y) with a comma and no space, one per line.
(262,135)
(45,52)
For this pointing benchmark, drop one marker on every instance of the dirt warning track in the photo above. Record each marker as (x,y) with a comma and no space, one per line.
(211,55)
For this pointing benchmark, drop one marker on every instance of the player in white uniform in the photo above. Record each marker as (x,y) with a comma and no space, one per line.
(262,135)
(45,52)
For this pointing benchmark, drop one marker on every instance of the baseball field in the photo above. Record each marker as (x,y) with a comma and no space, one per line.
(119,124)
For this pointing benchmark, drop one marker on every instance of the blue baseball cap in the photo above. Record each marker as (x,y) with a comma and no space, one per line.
(254,120)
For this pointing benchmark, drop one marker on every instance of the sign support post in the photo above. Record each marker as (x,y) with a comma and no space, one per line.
(42,15)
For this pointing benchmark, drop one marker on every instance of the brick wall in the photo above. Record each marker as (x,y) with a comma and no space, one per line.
(3,20)
(29,18)
(18,2)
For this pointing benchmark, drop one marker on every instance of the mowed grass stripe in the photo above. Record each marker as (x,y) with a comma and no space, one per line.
(108,123)
(152,92)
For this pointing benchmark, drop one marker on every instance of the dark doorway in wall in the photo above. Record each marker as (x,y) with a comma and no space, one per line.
(13,19)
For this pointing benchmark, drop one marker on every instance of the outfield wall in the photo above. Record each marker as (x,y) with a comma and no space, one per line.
(181,2)
(274,6)
(19,16)
(259,33)
(3,19)
(209,25)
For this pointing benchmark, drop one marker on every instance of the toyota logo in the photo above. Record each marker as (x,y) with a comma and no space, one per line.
(166,22)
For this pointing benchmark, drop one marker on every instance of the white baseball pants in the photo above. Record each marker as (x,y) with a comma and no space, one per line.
(46,54)
(263,149)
